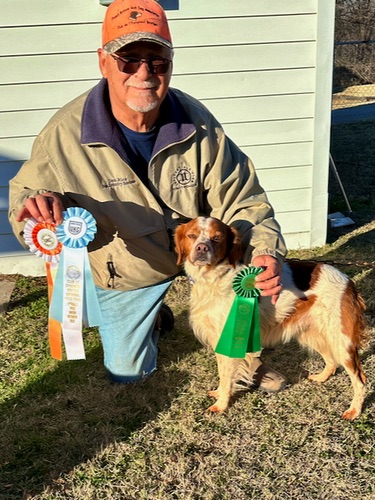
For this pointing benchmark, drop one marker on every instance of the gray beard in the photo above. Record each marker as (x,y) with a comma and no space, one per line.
(144,108)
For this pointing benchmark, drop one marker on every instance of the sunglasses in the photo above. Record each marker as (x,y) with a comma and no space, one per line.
(130,65)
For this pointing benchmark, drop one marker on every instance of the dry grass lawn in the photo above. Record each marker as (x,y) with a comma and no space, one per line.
(67,433)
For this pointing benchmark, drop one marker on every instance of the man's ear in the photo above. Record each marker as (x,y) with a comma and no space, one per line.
(102,59)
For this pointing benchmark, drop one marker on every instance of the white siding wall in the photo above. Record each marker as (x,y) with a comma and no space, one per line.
(262,67)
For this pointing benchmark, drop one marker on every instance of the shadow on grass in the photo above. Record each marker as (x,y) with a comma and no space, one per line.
(288,359)
(70,414)
(27,294)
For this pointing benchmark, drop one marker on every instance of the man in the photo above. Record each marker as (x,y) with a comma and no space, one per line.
(142,158)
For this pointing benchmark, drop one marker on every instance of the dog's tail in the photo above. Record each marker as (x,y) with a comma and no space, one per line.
(355,307)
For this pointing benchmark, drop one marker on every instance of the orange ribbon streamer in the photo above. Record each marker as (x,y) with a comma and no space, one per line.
(54,326)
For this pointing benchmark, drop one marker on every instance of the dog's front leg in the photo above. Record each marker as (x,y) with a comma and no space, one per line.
(227,368)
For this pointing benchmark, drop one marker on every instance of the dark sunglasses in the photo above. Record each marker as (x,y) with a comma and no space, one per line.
(130,65)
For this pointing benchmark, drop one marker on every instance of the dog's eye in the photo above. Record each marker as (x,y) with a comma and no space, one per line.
(192,236)
(218,237)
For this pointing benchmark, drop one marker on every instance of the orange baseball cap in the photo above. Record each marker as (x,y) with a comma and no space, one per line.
(128,21)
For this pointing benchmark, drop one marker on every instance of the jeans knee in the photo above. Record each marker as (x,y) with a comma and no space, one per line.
(128,379)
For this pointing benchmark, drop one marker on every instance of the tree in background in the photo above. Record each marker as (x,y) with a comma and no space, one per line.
(354,62)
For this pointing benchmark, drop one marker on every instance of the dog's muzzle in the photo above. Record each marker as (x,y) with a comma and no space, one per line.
(202,253)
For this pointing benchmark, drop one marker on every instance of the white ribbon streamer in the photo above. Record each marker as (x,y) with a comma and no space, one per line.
(73,269)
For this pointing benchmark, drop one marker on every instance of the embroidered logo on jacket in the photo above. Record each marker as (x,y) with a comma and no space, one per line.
(183,177)
(117,182)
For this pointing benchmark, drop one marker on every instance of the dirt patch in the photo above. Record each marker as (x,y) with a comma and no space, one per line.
(6,290)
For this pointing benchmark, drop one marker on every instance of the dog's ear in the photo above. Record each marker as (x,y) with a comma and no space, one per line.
(235,246)
(179,236)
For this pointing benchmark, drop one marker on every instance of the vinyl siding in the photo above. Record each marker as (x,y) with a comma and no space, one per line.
(263,68)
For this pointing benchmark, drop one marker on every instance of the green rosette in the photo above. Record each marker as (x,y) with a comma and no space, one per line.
(241,332)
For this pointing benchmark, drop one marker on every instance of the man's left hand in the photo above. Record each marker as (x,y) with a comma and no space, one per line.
(269,281)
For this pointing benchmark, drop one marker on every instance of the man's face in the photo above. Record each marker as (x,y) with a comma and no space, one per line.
(142,91)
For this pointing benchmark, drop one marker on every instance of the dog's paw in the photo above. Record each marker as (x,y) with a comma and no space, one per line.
(319,377)
(216,408)
(351,414)
(214,394)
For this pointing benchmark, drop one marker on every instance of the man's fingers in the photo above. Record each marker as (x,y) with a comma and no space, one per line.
(44,207)
(57,210)
(39,208)
(23,214)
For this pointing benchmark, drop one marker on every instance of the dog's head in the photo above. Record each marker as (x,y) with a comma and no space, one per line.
(206,241)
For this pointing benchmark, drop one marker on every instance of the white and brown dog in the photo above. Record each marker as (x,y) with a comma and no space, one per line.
(319,307)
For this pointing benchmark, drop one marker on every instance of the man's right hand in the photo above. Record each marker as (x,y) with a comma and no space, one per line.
(46,207)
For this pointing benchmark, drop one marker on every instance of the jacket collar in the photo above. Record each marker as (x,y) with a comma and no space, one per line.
(100,126)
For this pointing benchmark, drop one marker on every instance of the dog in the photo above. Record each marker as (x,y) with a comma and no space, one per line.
(319,306)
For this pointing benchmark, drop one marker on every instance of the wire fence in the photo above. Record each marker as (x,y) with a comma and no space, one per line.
(353,101)
(353,74)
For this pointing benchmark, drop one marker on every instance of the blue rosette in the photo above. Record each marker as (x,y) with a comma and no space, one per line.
(78,228)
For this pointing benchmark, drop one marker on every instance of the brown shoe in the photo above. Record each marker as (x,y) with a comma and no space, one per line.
(165,319)
(257,375)
(266,378)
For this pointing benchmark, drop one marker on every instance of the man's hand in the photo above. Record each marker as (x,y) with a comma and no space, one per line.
(269,280)
(46,207)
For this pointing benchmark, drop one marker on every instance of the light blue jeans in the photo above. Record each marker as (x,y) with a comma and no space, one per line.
(128,331)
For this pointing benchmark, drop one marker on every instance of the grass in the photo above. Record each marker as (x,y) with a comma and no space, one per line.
(67,433)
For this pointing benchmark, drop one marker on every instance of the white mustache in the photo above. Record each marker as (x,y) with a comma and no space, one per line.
(150,84)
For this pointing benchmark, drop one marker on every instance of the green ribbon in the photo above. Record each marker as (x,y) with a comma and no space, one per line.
(241,332)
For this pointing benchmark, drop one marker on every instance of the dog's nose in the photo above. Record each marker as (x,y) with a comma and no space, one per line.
(202,248)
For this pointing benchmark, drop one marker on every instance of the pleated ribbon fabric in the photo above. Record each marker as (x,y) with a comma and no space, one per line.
(241,332)
(42,240)
(74,301)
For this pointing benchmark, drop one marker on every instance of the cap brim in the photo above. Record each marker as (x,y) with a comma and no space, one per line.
(115,45)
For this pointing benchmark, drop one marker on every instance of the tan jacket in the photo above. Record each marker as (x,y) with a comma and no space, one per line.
(195,169)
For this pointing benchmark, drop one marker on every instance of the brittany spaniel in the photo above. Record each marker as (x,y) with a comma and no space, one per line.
(319,307)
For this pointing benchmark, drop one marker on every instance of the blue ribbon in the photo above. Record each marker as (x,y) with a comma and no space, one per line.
(77,230)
